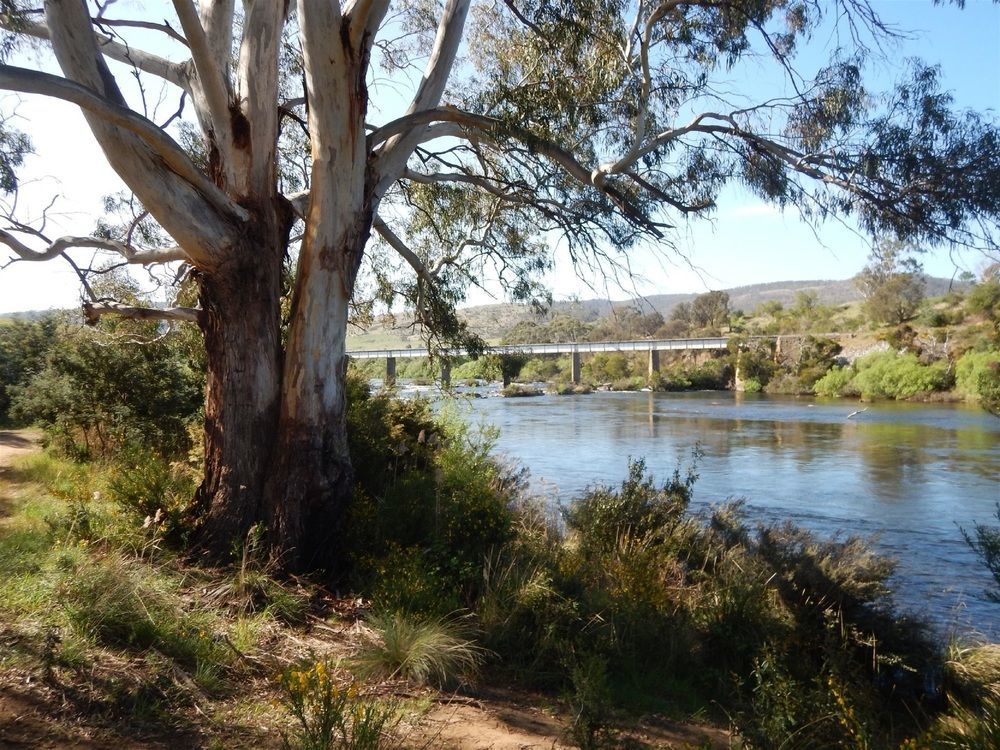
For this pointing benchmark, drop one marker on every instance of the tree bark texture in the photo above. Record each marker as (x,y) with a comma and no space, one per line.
(240,320)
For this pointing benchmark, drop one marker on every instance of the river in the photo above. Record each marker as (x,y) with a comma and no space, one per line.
(909,474)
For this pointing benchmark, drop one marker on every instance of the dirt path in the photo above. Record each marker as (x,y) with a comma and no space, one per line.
(17,443)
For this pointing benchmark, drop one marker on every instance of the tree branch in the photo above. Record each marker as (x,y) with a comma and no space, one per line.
(175,73)
(34,82)
(93,311)
(396,151)
(214,86)
(396,243)
(61,245)
(165,27)
(498,132)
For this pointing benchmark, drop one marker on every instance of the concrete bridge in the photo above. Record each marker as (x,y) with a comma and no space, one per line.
(653,348)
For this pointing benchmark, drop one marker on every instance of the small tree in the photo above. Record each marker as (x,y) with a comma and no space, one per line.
(710,310)
(892,284)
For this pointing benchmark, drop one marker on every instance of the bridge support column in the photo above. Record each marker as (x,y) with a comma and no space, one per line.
(390,370)
(445,374)
(654,362)
(575,368)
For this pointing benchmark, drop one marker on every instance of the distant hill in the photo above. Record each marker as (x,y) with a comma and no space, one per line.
(29,314)
(492,321)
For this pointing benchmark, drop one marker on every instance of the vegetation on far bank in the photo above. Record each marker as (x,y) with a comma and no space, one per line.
(896,345)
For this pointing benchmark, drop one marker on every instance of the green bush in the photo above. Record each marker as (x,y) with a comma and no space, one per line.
(430,504)
(638,508)
(331,716)
(974,372)
(423,651)
(838,381)
(23,349)
(897,376)
(153,490)
(100,390)
(545,369)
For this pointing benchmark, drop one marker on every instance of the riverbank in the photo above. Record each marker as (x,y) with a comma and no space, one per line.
(61,688)
(633,616)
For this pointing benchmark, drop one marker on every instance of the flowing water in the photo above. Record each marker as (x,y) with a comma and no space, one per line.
(912,475)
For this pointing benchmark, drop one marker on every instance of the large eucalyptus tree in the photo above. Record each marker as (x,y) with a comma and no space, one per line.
(600,122)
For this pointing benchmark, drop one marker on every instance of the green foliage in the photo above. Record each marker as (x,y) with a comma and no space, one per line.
(330,716)
(639,508)
(608,367)
(627,324)
(100,390)
(420,650)
(430,502)
(984,300)
(711,374)
(972,683)
(985,541)
(989,390)
(590,704)
(23,349)
(642,605)
(898,376)
(892,284)
(516,390)
(709,311)
(977,376)
(153,490)
(816,358)
(546,369)
(753,359)
(837,382)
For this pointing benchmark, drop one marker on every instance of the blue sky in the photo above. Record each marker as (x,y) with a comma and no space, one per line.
(745,242)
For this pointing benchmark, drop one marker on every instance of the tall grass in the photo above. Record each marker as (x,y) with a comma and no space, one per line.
(420,651)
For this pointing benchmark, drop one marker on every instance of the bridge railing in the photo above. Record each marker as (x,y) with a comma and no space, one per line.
(568,347)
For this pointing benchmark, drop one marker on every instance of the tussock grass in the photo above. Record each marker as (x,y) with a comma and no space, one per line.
(418,650)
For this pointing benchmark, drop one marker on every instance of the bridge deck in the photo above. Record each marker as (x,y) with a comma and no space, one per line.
(581,347)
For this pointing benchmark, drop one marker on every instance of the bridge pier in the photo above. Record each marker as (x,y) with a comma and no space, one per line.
(654,363)
(446,374)
(575,368)
(390,370)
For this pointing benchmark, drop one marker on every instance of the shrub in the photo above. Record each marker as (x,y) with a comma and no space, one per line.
(430,503)
(974,371)
(330,716)
(837,382)
(515,390)
(985,542)
(100,390)
(153,491)
(638,508)
(423,651)
(898,376)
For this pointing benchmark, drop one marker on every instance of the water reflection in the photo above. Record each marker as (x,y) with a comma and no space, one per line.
(913,473)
